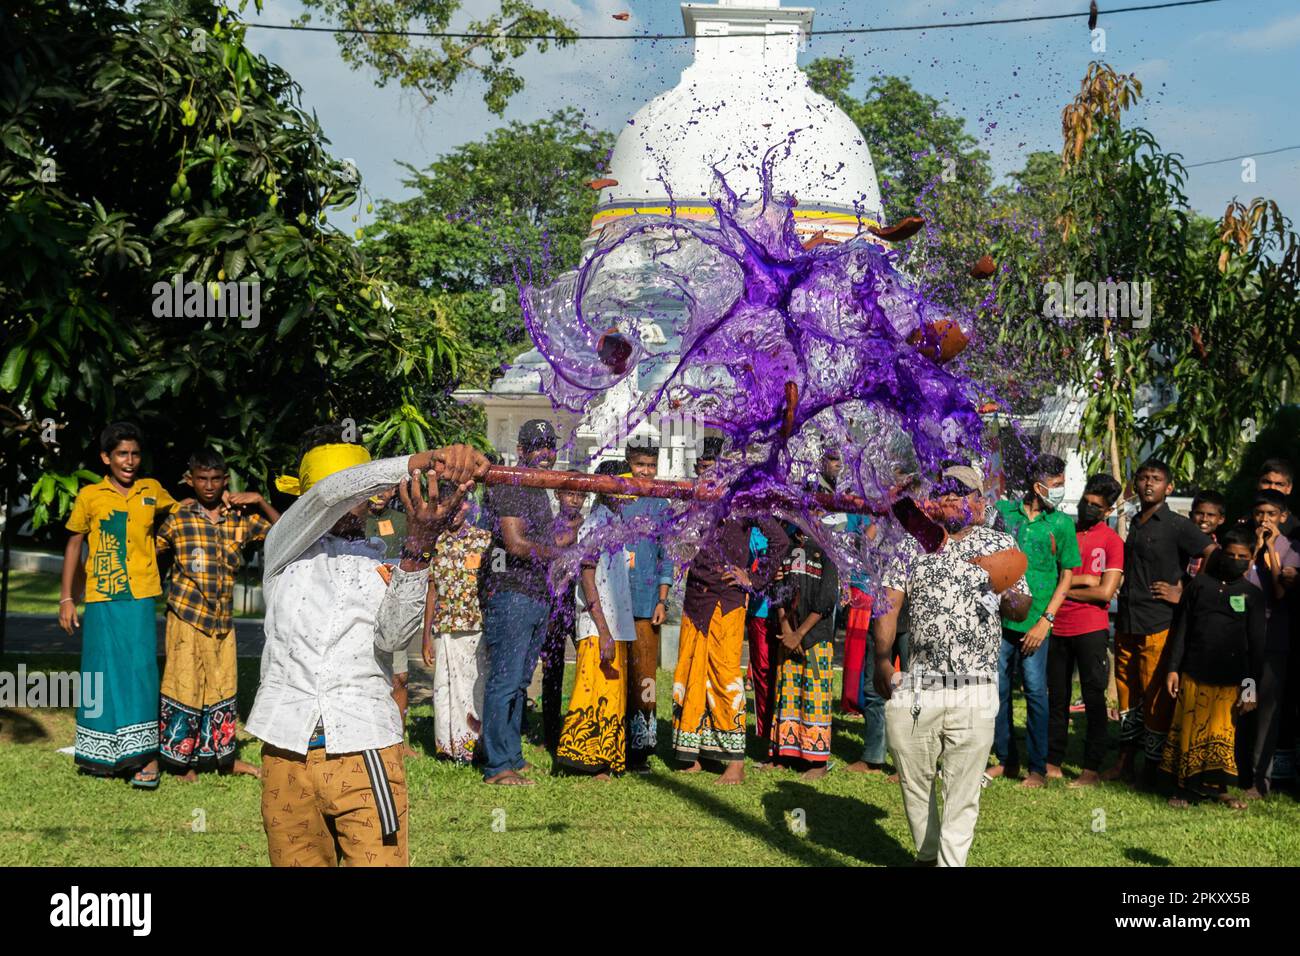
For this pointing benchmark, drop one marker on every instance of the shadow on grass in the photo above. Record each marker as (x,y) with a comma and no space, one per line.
(1146,857)
(21,729)
(842,824)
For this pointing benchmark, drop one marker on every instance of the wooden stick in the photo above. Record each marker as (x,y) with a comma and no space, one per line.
(929,534)
(648,487)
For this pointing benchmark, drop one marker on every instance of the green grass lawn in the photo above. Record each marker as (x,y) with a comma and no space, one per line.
(50,815)
(37,592)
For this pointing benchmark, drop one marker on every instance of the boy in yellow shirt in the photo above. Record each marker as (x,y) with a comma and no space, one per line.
(118,517)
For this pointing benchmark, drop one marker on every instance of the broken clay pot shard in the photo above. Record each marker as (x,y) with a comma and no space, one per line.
(614,350)
(1004,568)
(940,341)
(899,231)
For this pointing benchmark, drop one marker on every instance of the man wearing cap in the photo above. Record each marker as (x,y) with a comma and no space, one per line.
(516,604)
(945,705)
(333,781)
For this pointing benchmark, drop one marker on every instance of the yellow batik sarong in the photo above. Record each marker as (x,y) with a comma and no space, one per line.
(801,729)
(197,699)
(1200,750)
(709,690)
(594,736)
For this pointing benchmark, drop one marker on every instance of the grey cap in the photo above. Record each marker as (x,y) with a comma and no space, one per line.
(968,475)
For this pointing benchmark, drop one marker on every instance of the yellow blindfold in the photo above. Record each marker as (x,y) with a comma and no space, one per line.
(321,462)
(626,474)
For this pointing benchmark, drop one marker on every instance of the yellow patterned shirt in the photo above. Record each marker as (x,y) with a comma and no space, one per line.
(456,564)
(122,564)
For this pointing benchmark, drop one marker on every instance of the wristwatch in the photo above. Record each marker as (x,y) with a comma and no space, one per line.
(1049,617)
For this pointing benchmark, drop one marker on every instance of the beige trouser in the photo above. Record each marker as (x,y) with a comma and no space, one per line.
(953,726)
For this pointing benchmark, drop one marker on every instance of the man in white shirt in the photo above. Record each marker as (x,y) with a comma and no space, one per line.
(944,707)
(333,784)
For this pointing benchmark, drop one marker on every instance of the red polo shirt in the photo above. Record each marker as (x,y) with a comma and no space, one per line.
(1101,550)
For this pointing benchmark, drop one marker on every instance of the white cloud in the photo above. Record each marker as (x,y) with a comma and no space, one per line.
(1275,36)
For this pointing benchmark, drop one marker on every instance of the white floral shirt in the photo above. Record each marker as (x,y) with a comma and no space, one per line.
(952,631)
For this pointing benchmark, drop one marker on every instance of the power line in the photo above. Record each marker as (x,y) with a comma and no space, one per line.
(843,31)
(1230,159)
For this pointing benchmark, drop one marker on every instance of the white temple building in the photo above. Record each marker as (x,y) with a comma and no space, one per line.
(741,96)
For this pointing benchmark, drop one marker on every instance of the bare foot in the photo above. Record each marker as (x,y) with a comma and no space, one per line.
(1121,771)
(861,766)
(525,768)
(508,778)
(1034,781)
(1228,800)
(243,768)
(1252,794)
(814,773)
(1054,772)
(764,765)
(1178,803)
(892,778)
(602,776)
(409,752)
(189,776)
(692,768)
(998,770)
(734,774)
(1089,778)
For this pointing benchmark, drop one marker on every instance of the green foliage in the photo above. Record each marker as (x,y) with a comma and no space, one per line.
(513,206)
(1114,210)
(434,69)
(927,165)
(53,494)
(148,142)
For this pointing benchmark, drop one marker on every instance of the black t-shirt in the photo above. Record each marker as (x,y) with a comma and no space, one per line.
(811,586)
(1157,550)
(1219,636)
(503,571)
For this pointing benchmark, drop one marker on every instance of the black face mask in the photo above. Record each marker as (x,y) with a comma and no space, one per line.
(1089,514)
(1233,568)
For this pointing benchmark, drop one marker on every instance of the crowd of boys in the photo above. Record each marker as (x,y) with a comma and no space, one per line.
(1204,686)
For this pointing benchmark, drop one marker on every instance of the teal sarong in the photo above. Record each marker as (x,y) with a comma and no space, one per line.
(119,641)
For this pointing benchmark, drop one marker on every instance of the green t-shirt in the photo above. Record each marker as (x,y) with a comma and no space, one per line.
(1050,544)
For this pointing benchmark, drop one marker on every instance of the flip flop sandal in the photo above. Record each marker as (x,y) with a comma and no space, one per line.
(146,780)
(985,780)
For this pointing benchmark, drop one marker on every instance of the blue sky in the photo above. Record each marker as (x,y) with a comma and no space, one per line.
(1221,80)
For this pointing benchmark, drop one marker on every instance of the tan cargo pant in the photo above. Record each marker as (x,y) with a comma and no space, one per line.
(319,809)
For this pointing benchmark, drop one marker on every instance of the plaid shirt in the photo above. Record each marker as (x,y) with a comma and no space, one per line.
(201,588)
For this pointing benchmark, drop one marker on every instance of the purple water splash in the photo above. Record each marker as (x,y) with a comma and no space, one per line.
(749,309)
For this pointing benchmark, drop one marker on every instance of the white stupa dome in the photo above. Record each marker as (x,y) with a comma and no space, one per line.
(743,95)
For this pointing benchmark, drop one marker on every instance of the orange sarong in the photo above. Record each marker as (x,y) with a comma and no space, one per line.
(1145,707)
(709,690)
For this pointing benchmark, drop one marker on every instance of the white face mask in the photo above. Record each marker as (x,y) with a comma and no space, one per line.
(1054,497)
